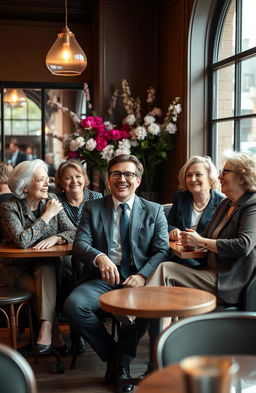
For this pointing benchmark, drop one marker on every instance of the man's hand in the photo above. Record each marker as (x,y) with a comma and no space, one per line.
(108,270)
(136,280)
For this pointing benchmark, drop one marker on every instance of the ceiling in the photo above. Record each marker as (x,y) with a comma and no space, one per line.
(47,10)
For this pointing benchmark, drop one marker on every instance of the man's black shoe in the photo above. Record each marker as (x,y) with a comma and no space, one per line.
(78,347)
(123,374)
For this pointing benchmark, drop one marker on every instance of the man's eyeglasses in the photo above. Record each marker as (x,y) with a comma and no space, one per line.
(223,172)
(118,174)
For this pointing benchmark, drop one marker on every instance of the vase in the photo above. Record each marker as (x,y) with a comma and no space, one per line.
(149,195)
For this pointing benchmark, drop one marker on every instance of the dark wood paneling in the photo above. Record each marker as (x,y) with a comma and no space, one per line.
(174,16)
(47,10)
(128,49)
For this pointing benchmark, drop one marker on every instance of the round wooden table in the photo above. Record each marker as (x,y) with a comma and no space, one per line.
(156,303)
(60,250)
(170,378)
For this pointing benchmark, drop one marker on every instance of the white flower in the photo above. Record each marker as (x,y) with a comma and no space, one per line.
(107,153)
(134,143)
(80,141)
(130,120)
(154,129)
(90,144)
(124,147)
(140,133)
(178,108)
(174,118)
(109,126)
(73,145)
(149,120)
(171,128)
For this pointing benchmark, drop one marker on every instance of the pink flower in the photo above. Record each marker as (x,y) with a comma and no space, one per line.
(100,143)
(73,154)
(99,128)
(124,134)
(115,134)
(89,122)
(98,120)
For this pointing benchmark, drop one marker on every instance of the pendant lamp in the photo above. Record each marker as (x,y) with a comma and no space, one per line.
(15,98)
(66,57)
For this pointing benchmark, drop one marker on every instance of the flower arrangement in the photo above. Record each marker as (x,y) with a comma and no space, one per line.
(97,141)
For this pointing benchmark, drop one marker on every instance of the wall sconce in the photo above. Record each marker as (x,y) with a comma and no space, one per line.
(15,98)
(66,57)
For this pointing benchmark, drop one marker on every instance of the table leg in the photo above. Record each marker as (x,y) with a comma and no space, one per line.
(155,328)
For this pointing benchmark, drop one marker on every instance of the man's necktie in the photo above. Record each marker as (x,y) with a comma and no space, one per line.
(125,242)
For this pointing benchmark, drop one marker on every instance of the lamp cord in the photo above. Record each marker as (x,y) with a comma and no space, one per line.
(66,13)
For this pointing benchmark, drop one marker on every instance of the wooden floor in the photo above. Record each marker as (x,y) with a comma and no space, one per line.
(88,375)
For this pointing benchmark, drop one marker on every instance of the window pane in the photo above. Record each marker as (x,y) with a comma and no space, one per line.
(248,24)
(224,80)
(59,123)
(34,127)
(248,94)
(227,39)
(248,134)
(34,109)
(224,139)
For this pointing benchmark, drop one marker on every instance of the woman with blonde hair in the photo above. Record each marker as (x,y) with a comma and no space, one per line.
(72,181)
(5,171)
(230,238)
(194,206)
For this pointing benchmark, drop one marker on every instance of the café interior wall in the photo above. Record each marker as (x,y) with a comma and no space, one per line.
(24,45)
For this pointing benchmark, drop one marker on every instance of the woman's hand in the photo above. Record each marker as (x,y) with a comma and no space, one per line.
(175,234)
(191,239)
(47,243)
(52,208)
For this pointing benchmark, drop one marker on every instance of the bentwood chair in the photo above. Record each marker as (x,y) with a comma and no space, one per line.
(16,374)
(12,301)
(219,333)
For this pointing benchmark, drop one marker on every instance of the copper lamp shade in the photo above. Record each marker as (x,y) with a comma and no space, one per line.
(15,98)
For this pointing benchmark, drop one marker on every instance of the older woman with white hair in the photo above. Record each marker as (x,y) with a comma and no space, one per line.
(230,238)
(34,218)
(194,206)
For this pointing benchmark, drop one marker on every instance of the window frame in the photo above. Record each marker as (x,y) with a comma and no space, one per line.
(215,65)
(43,86)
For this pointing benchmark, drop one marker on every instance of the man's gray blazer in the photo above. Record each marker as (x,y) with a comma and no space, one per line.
(148,234)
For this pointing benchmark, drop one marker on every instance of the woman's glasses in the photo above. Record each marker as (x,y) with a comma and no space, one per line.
(223,172)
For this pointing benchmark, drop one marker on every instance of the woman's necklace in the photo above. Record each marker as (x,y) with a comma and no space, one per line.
(202,208)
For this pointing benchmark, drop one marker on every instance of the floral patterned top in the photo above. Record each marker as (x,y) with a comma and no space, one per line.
(74,213)
(22,228)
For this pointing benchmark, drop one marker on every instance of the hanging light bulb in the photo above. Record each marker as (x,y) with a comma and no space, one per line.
(66,57)
(15,98)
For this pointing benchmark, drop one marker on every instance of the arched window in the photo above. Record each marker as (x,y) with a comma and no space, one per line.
(232,76)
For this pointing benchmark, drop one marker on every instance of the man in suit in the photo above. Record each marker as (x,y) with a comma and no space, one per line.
(18,156)
(100,248)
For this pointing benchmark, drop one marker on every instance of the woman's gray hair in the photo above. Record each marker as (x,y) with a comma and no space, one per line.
(209,166)
(23,174)
(244,165)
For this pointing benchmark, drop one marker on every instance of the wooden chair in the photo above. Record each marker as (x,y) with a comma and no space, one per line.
(12,301)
